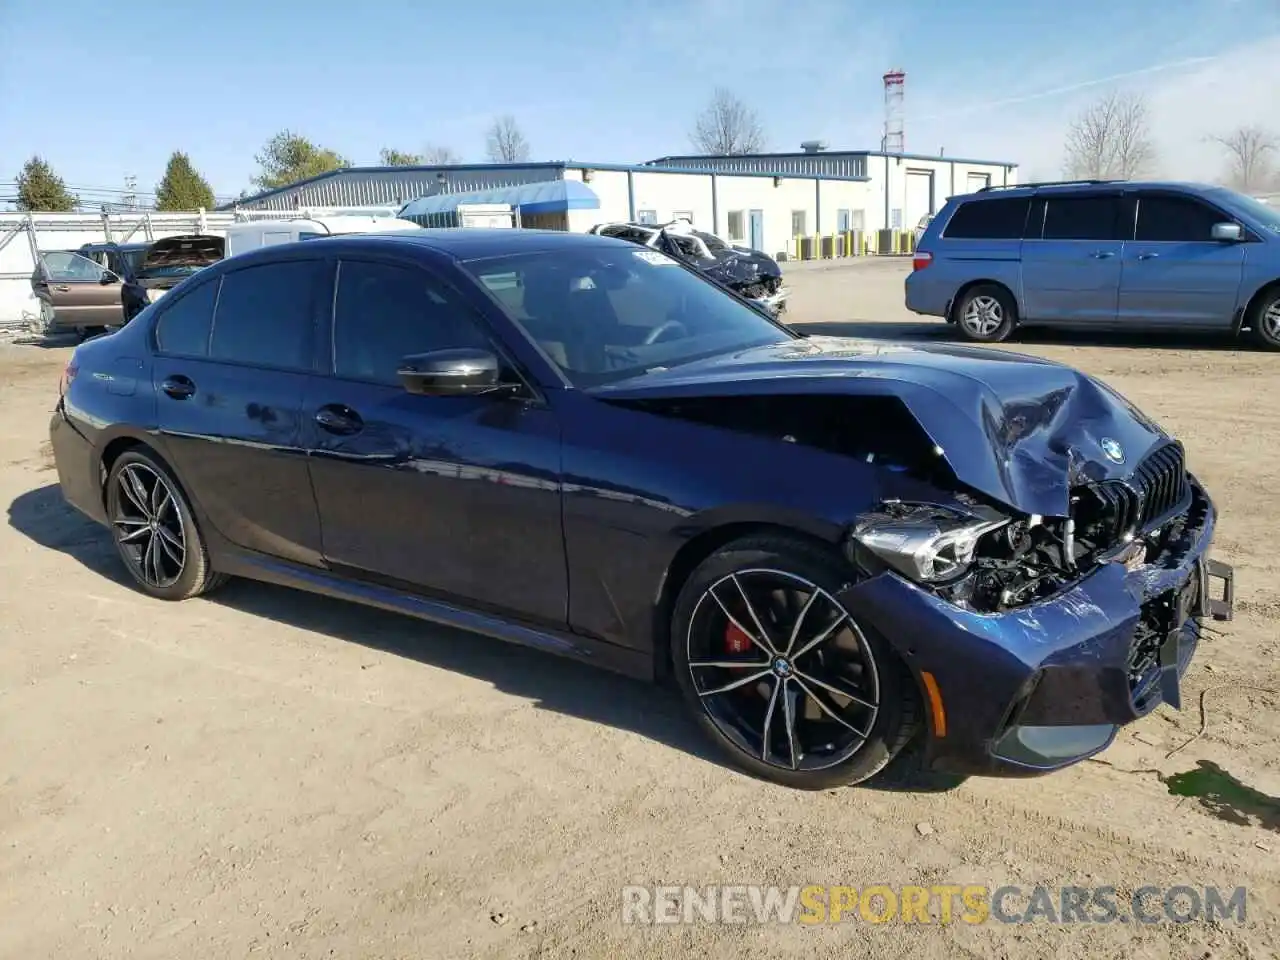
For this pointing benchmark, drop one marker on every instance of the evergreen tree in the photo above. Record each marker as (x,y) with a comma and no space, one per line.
(289,157)
(40,189)
(182,187)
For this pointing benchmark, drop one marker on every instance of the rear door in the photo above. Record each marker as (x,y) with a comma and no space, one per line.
(1072,258)
(233,357)
(1174,272)
(73,285)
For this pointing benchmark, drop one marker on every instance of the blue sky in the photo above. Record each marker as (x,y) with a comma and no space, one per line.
(613,80)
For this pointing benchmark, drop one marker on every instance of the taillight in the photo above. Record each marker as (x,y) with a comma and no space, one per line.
(68,374)
(921,260)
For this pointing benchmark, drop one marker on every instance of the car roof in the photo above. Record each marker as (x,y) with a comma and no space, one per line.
(1088,186)
(112,245)
(470,243)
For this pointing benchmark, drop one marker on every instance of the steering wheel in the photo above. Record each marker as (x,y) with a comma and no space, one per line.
(657,332)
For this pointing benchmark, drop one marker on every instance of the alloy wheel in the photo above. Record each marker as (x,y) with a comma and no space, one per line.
(148,526)
(1270,321)
(782,670)
(982,316)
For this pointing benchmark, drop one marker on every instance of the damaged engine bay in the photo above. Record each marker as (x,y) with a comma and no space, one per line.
(967,549)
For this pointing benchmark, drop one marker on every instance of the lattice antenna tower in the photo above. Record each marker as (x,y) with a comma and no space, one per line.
(895,117)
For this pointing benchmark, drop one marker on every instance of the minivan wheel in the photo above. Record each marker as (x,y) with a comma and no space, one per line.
(779,675)
(1266,321)
(986,313)
(154,530)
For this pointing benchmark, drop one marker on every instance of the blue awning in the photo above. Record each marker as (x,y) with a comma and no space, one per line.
(547,196)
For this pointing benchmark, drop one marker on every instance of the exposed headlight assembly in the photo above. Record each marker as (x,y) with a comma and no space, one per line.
(923,541)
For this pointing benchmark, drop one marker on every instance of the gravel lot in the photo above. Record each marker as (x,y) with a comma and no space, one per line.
(275,773)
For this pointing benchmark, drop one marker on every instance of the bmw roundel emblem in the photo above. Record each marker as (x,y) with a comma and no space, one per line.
(1114,452)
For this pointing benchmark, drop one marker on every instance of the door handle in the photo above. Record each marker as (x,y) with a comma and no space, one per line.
(61,288)
(338,419)
(1102,254)
(178,387)
(1147,256)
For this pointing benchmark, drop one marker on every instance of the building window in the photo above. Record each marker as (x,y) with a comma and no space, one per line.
(736,228)
(646,216)
(683,215)
(798,223)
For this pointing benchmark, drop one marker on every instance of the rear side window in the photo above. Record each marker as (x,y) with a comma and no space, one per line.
(996,219)
(265,315)
(183,328)
(1081,218)
(1164,217)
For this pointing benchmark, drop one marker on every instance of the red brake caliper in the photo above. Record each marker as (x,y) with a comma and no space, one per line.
(735,641)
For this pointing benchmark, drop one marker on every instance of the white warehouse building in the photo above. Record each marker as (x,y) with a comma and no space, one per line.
(766,201)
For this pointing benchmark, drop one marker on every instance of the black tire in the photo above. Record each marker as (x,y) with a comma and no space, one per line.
(853,657)
(985,313)
(1266,320)
(130,516)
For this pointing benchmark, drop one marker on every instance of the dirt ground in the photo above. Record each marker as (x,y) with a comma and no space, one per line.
(266,772)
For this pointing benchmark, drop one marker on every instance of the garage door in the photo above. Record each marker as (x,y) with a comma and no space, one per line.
(977,181)
(919,197)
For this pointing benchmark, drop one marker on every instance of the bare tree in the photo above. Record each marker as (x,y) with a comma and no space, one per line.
(727,126)
(1111,140)
(1249,152)
(440,156)
(506,142)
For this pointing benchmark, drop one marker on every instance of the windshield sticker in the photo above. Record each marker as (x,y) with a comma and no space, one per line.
(657,259)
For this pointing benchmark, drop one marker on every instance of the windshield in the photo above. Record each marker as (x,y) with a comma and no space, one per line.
(602,314)
(1264,214)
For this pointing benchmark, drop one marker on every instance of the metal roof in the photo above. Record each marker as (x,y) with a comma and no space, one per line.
(807,154)
(547,196)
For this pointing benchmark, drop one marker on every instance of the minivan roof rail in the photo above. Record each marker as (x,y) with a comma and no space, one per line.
(1043,183)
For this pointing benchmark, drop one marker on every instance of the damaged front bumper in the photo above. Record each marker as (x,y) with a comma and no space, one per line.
(1040,687)
(775,303)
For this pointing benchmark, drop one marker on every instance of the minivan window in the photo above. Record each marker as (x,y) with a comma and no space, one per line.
(265,315)
(1164,217)
(183,327)
(384,313)
(1081,218)
(1263,214)
(997,219)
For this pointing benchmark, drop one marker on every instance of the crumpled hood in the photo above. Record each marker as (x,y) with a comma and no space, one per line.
(1020,429)
(742,267)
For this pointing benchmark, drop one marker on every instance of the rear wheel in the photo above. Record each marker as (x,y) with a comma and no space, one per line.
(779,674)
(1266,320)
(154,530)
(986,313)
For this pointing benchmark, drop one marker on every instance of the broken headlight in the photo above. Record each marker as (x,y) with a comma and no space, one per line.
(925,542)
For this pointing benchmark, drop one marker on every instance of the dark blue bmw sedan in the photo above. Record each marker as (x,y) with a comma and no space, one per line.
(834,547)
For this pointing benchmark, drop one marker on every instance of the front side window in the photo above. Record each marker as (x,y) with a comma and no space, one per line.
(1081,218)
(63,266)
(265,315)
(1169,218)
(183,328)
(604,315)
(384,312)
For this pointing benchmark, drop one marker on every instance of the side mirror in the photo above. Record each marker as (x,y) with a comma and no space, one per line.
(1227,232)
(450,373)
(108,278)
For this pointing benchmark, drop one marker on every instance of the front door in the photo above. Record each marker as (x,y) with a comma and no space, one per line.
(1071,259)
(756,228)
(1175,273)
(229,388)
(453,496)
(81,293)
